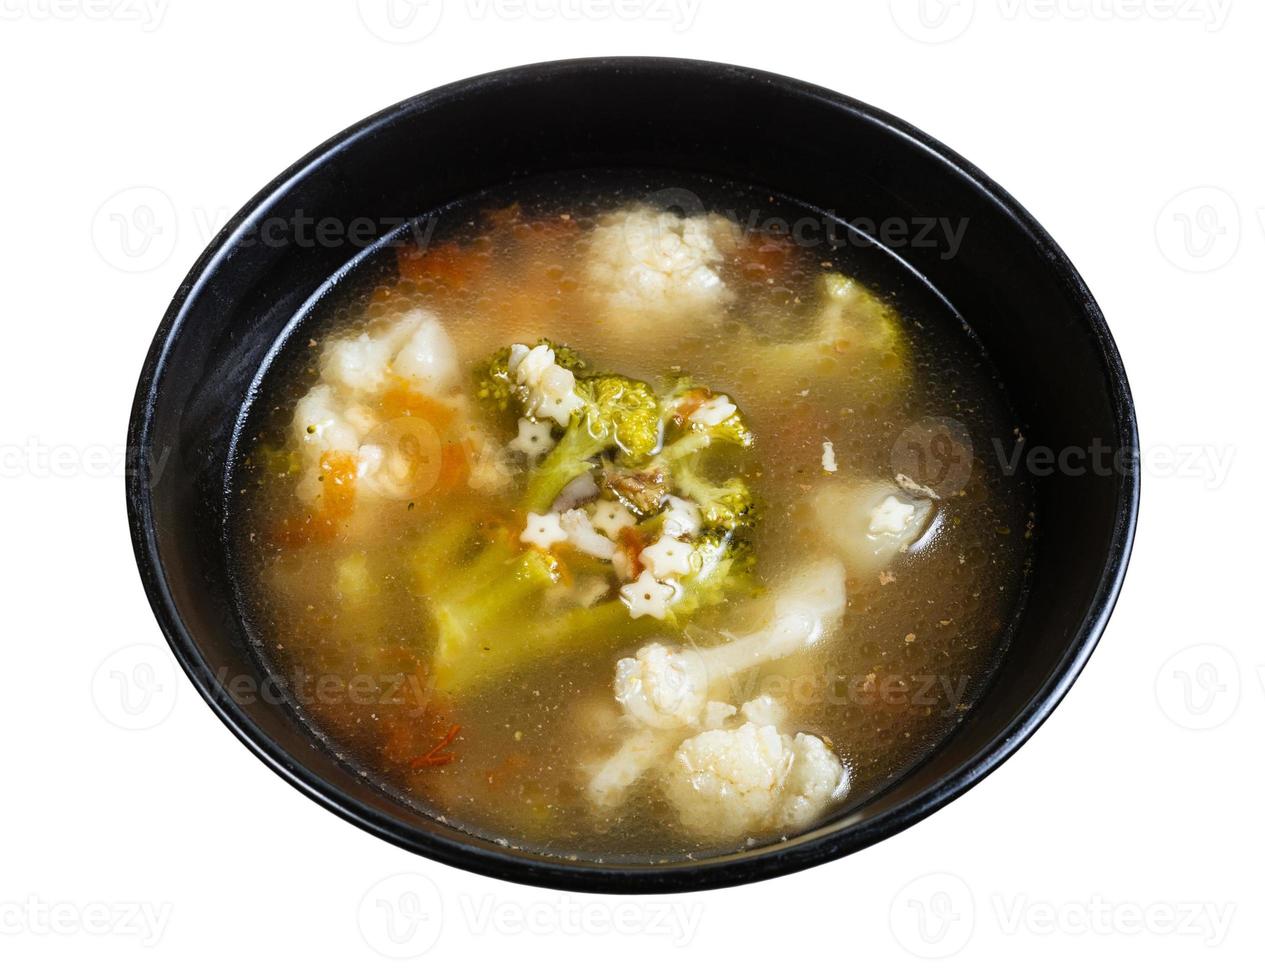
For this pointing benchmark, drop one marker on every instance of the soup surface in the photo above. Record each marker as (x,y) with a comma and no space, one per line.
(607,530)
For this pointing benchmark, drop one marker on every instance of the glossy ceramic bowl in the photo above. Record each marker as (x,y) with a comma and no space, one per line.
(1007,279)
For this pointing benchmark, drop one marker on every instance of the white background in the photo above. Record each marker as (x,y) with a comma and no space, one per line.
(1125,835)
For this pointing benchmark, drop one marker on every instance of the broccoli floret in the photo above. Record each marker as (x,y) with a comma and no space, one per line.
(728,506)
(726,568)
(498,386)
(702,417)
(619,415)
(487,596)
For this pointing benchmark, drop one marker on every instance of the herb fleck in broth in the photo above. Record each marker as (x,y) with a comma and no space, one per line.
(365,588)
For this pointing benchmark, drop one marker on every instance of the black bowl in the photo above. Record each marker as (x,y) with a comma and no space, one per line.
(1024,301)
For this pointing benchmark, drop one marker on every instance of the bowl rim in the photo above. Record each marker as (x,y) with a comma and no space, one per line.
(483,857)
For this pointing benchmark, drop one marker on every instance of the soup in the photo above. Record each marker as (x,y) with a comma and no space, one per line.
(612,531)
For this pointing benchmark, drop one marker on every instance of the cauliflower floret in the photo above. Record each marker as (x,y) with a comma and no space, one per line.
(682,518)
(428,359)
(357,364)
(713,411)
(550,387)
(664,688)
(764,710)
(645,263)
(872,523)
(584,537)
(661,688)
(319,424)
(727,782)
(415,347)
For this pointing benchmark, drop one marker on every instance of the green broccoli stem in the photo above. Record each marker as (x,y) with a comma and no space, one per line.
(684,447)
(570,458)
(527,636)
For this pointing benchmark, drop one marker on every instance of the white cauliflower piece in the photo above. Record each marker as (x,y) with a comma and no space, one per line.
(681,519)
(319,425)
(550,387)
(415,348)
(728,782)
(714,411)
(665,688)
(870,524)
(649,264)
(764,710)
(428,358)
(829,464)
(356,364)
(582,535)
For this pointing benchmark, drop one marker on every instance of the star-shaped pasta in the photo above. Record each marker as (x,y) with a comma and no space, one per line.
(648,597)
(610,517)
(667,557)
(543,531)
(534,439)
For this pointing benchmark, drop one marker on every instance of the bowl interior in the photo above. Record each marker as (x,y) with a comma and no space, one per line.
(1006,278)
